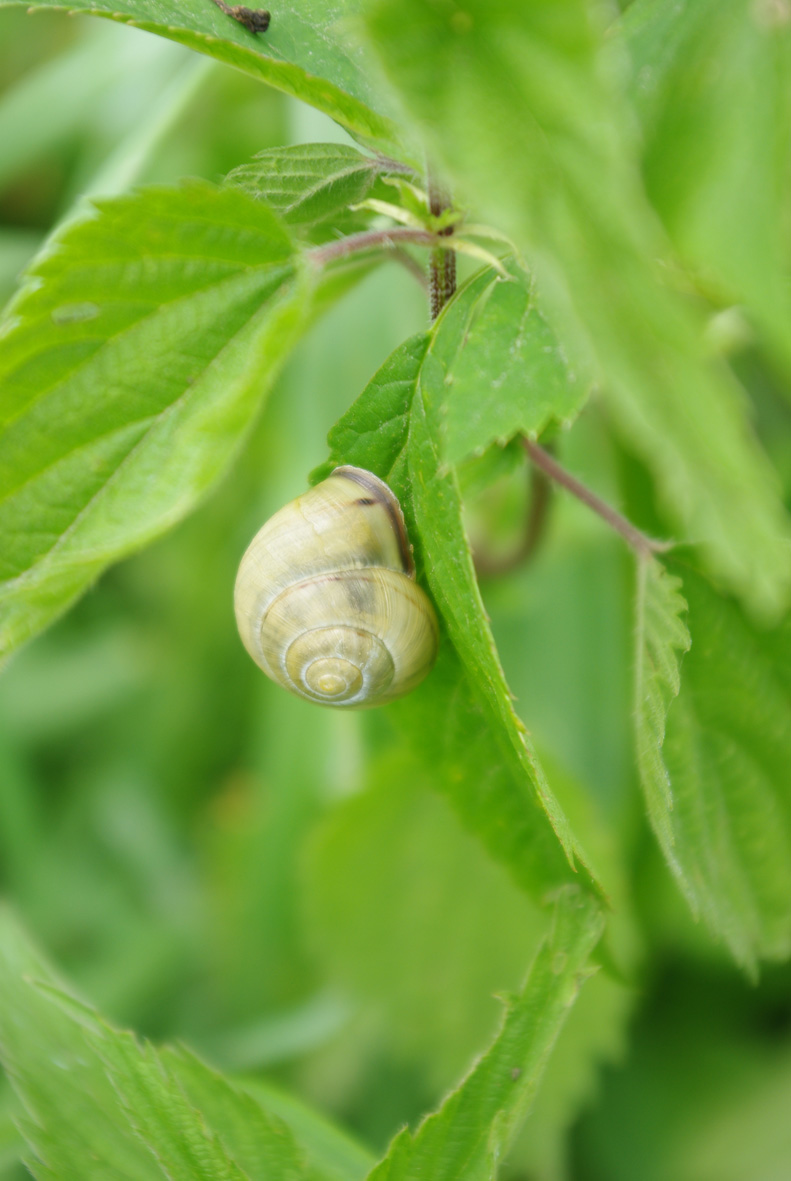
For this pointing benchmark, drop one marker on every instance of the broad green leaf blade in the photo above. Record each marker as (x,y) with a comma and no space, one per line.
(130,367)
(510,375)
(520,104)
(459,930)
(309,51)
(261,1146)
(78,1132)
(476,1124)
(462,719)
(307,183)
(712,87)
(451,575)
(176,1133)
(330,1151)
(114,1107)
(395,858)
(264,1141)
(717,787)
(499,794)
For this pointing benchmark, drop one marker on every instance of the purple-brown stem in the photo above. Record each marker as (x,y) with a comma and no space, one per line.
(540,498)
(370,240)
(643,545)
(442,264)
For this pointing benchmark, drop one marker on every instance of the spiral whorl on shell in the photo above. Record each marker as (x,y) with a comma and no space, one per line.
(326,601)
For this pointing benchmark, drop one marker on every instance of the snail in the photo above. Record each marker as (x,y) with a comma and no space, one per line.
(326,600)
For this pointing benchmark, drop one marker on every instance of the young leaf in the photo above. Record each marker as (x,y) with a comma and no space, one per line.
(714,152)
(717,785)
(130,366)
(476,1124)
(463,719)
(510,375)
(306,52)
(307,183)
(520,107)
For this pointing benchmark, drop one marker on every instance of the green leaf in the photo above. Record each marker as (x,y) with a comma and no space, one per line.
(114,1107)
(11,1142)
(712,87)
(307,183)
(476,1124)
(705,1088)
(522,107)
(716,783)
(437,511)
(662,638)
(510,375)
(164,1091)
(330,1151)
(130,366)
(395,858)
(183,1145)
(593,1039)
(41,1048)
(309,51)
(463,718)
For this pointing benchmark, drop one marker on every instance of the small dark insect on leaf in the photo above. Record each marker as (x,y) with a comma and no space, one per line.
(254,19)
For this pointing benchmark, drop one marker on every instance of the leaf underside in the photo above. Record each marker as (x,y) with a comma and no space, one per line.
(309,51)
(714,748)
(523,107)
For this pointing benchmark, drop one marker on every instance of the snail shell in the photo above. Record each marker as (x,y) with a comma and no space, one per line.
(326,601)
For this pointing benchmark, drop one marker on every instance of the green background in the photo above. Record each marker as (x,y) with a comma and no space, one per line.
(211,860)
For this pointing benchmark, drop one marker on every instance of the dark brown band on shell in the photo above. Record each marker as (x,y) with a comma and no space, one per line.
(380,493)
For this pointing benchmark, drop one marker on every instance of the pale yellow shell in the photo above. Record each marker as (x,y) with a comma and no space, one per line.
(326,601)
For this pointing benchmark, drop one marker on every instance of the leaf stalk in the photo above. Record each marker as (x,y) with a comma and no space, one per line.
(643,545)
(391,238)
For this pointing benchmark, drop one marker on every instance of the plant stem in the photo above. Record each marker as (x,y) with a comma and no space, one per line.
(442,264)
(540,497)
(370,240)
(643,545)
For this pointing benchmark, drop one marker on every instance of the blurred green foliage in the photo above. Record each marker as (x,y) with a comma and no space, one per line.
(284,890)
